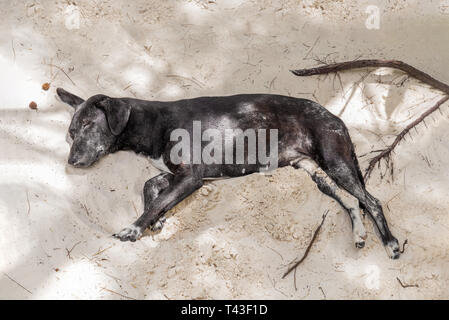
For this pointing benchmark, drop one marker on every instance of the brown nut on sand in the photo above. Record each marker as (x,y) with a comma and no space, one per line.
(33,105)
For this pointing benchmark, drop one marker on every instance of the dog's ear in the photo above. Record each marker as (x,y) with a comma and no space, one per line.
(69,98)
(117,113)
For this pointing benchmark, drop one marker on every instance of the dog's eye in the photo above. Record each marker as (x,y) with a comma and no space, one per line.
(85,123)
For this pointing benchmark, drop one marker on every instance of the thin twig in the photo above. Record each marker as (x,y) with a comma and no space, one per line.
(101,251)
(13,50)
(280,255)
(129,85)
(117,280)
(119,294)
(394,197)
(52,65)
(322,291)
(311,48)
(195,81)
(28,201)
(85,208)
(403,285)
(70,251)
(372,151)
(273,283)
(403,246)
(315,234)
(167,297)
(17,283)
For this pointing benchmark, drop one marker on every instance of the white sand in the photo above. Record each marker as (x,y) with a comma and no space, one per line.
(233,238)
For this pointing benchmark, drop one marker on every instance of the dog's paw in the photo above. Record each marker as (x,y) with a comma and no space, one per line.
(359,244)
(158,225)
(131,233)
(359,236)
(392,248)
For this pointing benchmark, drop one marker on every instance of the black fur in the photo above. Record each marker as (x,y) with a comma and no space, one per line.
(305,129)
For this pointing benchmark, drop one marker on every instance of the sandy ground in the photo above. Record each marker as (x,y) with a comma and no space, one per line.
(233,238)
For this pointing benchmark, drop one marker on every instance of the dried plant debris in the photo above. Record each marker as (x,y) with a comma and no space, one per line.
(376,63)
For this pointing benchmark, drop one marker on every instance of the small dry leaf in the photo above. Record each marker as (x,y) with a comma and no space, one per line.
(33,105)
(46,86)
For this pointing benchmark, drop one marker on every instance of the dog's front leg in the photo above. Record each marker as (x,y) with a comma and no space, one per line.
(151,191)
(179,188)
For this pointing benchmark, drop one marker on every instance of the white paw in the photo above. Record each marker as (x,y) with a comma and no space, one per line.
(131,233)
(359,241)
(158,225)
(359,236)
(392,248)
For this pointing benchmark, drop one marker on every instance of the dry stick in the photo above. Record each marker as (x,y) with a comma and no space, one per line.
(101,251)
(311,48)
(315,234)
(28,201)
(280,255)
(70,251)
(167,297)
(403,246)
(355,64)
(387,152)
(85,208)
(52,65)
(129,85)
(119,294)
(407,285)
(17,283)
(322,291)
(195,81)
(412,71)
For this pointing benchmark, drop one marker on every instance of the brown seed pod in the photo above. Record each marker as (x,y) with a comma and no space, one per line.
(33,105)
(46,86)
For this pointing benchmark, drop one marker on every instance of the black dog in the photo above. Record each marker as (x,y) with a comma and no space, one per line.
(306,136)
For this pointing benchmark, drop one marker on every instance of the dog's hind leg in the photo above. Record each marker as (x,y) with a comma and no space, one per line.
(343,174)
(330,188)
(337,158)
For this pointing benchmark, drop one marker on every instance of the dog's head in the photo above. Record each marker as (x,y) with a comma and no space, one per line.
(95,126)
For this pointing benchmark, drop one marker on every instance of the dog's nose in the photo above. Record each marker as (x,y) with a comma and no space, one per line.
(75,162)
